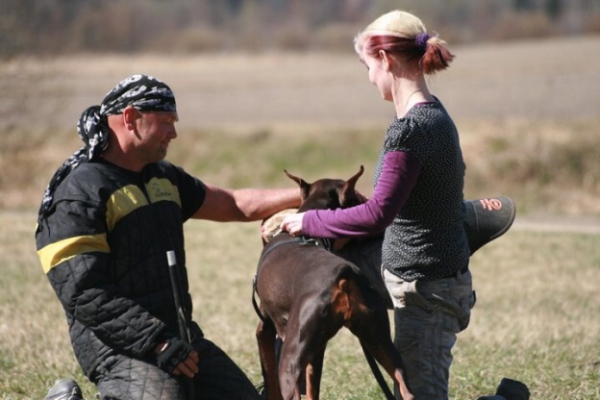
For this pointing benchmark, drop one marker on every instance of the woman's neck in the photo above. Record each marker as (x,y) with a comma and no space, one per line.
(408,92)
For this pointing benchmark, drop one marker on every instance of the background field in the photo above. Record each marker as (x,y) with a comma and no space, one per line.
(528,113)
(536,317)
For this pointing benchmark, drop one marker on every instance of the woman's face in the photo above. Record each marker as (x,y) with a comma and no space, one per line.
(379,75)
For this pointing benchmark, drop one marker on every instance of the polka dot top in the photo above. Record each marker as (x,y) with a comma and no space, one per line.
(427,240)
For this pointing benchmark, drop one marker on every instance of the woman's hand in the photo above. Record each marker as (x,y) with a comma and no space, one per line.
(292,224)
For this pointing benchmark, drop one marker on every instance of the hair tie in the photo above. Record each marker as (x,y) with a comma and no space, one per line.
(421,40)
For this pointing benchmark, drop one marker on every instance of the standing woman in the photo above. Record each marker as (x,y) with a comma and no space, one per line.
(417,202)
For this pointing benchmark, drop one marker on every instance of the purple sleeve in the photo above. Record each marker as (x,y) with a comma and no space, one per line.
(399,173)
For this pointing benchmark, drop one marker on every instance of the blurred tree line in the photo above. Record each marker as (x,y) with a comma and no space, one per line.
(50,27)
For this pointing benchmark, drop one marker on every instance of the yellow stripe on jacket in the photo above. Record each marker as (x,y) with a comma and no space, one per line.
(120,204)
(63,250)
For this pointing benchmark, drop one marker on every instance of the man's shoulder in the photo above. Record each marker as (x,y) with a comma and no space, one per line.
(89,181)
(90,173)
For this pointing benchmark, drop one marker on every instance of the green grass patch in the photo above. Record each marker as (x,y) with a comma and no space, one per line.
(548,167)
(536,317)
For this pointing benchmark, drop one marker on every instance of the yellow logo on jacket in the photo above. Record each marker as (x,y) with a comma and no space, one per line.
(160,189)
(130,197)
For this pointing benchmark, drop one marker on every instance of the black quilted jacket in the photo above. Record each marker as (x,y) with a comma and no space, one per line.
(103,247)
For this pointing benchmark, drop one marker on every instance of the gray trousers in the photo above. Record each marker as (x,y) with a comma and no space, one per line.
(219,378)
(427,318)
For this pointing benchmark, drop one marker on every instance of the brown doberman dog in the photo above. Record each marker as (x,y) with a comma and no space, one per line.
(307,294)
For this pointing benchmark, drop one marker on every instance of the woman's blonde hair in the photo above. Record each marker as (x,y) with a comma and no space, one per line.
(402,33)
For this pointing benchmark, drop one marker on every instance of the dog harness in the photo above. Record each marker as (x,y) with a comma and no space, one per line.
(303,241)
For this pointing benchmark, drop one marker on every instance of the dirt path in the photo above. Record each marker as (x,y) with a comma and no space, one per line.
(540,79)
(571,224)
(550,79)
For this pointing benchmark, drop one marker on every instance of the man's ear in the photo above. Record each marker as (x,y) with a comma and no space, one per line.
(130,115)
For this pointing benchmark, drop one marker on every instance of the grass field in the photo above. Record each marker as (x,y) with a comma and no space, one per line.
(528,115)
(536,317)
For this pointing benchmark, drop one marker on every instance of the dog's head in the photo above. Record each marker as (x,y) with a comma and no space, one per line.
(321,194)
(328,193)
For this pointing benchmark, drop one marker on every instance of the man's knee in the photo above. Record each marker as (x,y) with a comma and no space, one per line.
(125,378)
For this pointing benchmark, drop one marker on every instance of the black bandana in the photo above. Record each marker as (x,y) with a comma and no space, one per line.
(143,92)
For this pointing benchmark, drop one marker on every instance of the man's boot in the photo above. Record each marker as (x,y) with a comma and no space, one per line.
(509,389)
(512,390)
(64,389)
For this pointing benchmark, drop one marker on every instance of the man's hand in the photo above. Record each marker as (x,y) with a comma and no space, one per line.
(177,357)
(189,367)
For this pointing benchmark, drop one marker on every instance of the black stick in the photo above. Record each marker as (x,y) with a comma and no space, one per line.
(184,333)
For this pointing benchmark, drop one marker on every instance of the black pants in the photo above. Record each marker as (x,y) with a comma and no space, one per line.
(219,378)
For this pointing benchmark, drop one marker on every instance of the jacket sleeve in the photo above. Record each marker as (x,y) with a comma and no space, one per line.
(74,252)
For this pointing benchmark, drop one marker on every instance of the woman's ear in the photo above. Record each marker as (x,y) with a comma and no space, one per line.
(386,60)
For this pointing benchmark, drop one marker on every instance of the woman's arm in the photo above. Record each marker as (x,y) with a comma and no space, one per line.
(399,173)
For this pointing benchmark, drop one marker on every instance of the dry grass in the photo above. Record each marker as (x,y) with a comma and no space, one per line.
(527,113)
(535,318)
(528,116)
(549,167)
(533,80)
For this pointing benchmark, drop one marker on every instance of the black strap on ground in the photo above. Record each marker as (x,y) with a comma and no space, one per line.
(377,374)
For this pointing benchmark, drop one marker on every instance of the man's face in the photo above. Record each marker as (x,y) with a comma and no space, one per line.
(155,130)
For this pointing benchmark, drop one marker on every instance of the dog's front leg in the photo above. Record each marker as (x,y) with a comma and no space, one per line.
(313,375)
(265,336)
(289,371)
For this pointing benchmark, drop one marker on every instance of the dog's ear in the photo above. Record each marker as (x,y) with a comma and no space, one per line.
(347,194)
(304,187)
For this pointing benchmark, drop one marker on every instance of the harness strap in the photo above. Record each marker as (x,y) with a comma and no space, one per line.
(377,374)
(254,303)
(254,280)
(302,241)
